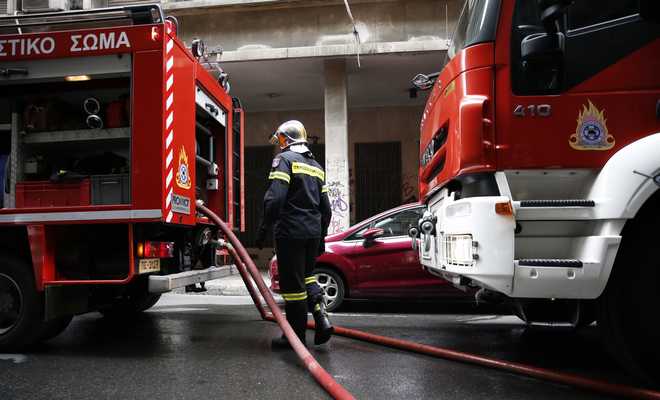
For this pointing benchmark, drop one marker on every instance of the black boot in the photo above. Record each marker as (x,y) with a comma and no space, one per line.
(296,314)
(323,328)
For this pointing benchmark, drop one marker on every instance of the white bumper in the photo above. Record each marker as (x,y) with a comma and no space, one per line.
(498,257)
(492,238)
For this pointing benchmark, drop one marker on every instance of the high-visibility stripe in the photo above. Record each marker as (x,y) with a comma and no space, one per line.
(280,175)
(302,168)
(295,296)
(310,279)
(324,189)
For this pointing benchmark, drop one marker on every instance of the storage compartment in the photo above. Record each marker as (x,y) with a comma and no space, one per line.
(48,194)
(69,142)
(110,189)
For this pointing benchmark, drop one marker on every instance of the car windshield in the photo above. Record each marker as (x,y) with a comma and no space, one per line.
(476,24)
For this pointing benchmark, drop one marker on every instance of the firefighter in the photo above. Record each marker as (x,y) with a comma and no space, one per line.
(296,206)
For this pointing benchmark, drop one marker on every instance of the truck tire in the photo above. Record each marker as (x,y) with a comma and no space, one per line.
(21,306)
(628,308)
(333,287)
(54,327)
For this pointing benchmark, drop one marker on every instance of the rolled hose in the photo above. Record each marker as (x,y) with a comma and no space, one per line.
(321,375)
(595,385)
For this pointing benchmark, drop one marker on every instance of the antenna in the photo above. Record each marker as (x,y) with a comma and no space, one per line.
(356,34)
(447,24)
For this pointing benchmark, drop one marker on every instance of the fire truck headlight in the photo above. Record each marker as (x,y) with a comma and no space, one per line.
(458,250)
(458,210)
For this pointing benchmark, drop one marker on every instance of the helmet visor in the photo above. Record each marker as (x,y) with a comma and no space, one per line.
(273,138)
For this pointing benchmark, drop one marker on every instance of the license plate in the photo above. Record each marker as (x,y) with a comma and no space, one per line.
(147,265)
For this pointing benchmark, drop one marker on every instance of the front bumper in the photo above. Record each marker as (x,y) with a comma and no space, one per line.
(471,240)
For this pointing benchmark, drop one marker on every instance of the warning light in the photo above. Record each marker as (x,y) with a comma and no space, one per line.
(77,78)
(155,33)
(155,249)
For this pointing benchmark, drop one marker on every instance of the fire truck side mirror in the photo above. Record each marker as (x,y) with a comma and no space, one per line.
(551,11)
(542,47)
(649,10)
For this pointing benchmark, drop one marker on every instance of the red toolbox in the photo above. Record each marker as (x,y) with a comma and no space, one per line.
(48,194)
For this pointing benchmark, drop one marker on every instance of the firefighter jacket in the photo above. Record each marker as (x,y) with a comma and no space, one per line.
(296,202)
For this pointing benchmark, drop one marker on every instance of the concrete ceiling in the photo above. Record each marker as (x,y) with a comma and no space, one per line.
(297,84)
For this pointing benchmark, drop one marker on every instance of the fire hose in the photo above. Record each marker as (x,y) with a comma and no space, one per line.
(246,268)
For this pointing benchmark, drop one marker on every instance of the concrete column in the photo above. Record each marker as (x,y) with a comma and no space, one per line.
(336,143)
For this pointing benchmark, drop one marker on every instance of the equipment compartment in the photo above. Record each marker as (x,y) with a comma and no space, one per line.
(70,141)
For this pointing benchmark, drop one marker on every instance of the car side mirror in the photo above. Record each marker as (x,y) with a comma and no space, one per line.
(370,235)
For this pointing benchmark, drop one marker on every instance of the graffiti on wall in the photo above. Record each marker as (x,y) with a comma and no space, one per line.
(409,188)
(338,194)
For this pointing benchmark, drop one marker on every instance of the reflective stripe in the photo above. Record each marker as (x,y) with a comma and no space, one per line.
(302,168)
(295,296)
(280,175)
(324,189)
(310,279)
(81,216)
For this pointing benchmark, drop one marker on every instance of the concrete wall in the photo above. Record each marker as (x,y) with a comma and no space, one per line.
(295,26)
(365,125)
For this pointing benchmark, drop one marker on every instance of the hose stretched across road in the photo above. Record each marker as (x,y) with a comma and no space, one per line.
(247,269)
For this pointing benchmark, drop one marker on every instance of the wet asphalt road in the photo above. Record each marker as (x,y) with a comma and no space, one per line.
(187,348)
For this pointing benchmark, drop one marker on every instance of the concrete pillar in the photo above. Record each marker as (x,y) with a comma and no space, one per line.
(336,143)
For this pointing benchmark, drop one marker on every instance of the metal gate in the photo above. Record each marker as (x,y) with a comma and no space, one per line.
(377,178)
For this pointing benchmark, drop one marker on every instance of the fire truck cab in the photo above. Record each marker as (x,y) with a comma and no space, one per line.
(540,165)
(110,131)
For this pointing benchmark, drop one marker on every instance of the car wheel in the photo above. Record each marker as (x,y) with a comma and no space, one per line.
(21,306)
(333,287)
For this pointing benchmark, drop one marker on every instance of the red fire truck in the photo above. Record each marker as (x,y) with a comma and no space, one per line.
(540,165)
(110,130)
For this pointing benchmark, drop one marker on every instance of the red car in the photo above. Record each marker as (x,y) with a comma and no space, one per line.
(375,259)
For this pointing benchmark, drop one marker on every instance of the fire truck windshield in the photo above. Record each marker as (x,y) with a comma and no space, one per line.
(476,24)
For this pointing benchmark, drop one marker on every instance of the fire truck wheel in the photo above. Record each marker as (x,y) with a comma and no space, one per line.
(628,308)
(21,306)
(333,287)
(54,327)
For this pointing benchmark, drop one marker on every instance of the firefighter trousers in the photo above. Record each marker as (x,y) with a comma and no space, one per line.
(296,259)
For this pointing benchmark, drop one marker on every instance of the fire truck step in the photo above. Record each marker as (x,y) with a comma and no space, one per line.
(165,283)
(558,203)
(549,262)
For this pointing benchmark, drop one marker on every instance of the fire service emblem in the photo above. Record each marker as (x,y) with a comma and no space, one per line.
(183,173)
(591,132)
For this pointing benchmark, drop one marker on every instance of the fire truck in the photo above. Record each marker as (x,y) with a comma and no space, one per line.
(110,130)
(540,166)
